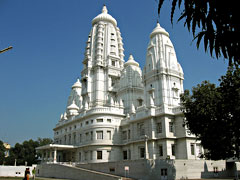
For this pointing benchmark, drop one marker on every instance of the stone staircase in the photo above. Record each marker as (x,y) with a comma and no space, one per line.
(74,173)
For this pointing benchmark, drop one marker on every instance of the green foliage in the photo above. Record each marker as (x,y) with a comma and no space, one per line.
(44,141)
(2,150)
(216,23)
(26,152)
(212,114)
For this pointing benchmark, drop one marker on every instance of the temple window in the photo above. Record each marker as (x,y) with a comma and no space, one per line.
(192,149)
(91,155)
(141,152)
(124,155)
(99,120)
(159,127)
(69,139)
(109,135)
(99,154)
(140,102)
(173,149)
(141,130)
(80,138)
(124,135)
(171,128)
(160,150)
(99,134)
(74,138)
(91,137)
(113,63)
(87,136)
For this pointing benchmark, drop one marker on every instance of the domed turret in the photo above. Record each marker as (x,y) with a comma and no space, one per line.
(131,61)
(73,106)
(72,110)
(77,84)
(75,94)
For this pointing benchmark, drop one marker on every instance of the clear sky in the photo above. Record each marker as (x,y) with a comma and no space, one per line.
(48,39)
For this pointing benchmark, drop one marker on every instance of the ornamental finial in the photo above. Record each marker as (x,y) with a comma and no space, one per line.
(104,9)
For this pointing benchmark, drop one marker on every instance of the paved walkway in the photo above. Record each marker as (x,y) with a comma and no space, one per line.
(43,178)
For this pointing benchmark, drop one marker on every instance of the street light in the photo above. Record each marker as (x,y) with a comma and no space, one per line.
(6,49)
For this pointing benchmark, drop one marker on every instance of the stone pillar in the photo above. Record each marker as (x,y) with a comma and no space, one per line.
(42,152)
(153,156)
(50,156)
(152,125)
(55,155)
(146,148)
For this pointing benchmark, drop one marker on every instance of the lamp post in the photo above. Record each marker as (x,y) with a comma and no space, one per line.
(6,49)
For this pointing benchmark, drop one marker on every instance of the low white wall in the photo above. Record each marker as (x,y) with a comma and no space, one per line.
(14,171)
(200,169)
(176,169)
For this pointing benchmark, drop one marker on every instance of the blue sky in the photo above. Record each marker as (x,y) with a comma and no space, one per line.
(48,39)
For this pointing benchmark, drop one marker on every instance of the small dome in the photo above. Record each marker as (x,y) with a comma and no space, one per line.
(159,30)
(77,84)
(73,106)
(131,61)
(104,16)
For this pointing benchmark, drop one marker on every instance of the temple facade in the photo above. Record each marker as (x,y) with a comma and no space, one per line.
(118,111)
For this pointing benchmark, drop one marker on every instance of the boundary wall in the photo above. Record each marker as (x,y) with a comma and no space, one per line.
(14,171)
(142,170)
(166,169)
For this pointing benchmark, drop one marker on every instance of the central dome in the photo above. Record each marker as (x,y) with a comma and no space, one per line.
(104,16)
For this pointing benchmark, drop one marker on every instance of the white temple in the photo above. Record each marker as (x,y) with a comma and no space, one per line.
(117,111)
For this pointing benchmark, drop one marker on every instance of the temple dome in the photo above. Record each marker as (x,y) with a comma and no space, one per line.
(73,106)
(104,16)
(77,84)
(131,61)
(159,30)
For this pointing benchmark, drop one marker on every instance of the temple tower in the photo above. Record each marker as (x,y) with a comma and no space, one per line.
(103,61)
(162,75)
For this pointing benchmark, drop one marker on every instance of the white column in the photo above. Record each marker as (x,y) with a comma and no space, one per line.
(55,155)
(153,156)
(152,125)
(146,148)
